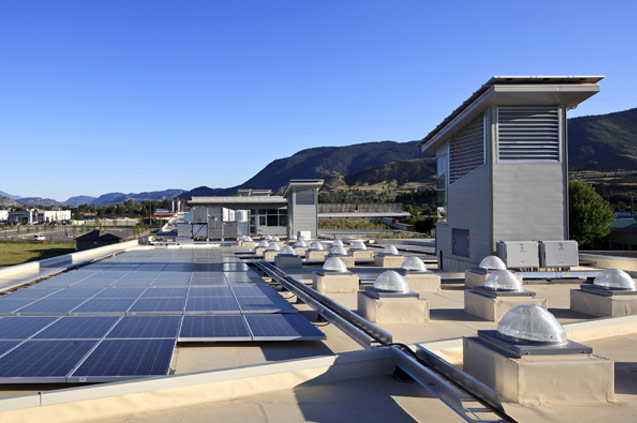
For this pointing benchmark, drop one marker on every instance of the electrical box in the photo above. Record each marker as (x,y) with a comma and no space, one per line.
(559,254)
(199,214)
(184,230)
(519,254)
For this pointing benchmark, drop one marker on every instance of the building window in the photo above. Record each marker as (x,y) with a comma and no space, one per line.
(441,187)
(273,217)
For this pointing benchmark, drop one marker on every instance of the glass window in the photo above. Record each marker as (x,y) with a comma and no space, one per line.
(261,220)
(273,220)
(441,187)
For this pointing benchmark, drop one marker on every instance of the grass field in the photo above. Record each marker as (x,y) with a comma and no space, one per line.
(20,252)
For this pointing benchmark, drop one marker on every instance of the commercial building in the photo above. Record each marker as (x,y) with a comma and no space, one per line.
(32,216)
(502,166)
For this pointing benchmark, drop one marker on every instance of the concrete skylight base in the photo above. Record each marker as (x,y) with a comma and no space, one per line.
(335,282)
(603,305)
(393,309)
(391,262)
(493,308)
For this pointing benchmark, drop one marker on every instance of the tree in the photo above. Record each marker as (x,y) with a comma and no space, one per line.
(589,214)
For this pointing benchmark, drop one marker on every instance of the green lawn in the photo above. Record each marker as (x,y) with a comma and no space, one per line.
(20,252)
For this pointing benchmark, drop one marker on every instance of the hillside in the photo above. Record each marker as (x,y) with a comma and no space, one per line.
(79,199)
(603,142)
(6,202)
(39,202)
(118,197)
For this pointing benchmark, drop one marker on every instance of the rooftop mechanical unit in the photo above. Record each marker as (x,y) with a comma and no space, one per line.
(558,254)
(519,254)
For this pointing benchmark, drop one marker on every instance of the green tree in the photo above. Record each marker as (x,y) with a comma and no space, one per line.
(589,214)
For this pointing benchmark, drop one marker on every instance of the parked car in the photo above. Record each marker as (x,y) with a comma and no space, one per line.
(39,237)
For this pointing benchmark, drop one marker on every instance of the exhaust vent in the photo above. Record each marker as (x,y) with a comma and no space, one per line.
(528,133)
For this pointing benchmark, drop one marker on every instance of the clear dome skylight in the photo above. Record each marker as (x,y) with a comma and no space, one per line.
(263,244)
(614,279)
(334,264)
(414,264)
(248,239)
(390,250)
(338,250)
(317,246)
(273,247)
(503,280)
(391,281)
(275,239)
(359,245)
(287,250)
(303,237)
(268,237)
(492,263)
(531,323)
(338,242)
(300,243)
(292,238)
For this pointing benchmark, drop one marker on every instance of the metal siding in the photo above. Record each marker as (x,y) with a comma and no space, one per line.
(528,201)
(466,150)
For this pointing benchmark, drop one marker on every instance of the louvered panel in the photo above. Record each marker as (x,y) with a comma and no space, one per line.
(466,150)
(528,133)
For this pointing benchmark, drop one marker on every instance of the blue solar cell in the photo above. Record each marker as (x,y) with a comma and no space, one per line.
(7,345)
(43,359)
(165,292)
(111,292)
(84,293)
(77,327)
(22,327)
(210,305)
(146,327)
(105,305)
(265,305)
(214,328)
(8,305)
(26,293)
(133,283)
(159,306)
(51,306)
(254,291)
(170,283)
(210,291)
(126,358)
(282,327)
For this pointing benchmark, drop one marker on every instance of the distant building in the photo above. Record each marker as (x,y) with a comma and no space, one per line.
(623,233)
(502,166)
(31,216)
(98,238)
(4,215)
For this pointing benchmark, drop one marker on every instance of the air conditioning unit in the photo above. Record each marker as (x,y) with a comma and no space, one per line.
(519,254)
(559,254)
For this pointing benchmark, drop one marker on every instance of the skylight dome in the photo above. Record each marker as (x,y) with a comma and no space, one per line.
(492,263)
(391,281)
(338,250)
(268,237)
(247,238)
(292,238)
(338,242)
(390,250)
(317,246)
(287,250)
(503,280)
(614,279)
(300,243)
(334,264)
(275,239)
(273,247)
(263,244)
(531,323)
(359,245)
(303,237)
(414,264)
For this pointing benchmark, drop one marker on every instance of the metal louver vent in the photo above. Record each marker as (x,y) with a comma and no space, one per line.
(466,150)
(528,133)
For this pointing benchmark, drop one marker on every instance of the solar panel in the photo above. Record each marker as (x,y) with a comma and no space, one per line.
(254,291)
(210,291)
(146,327)
(214,329)
(42,361)
(76,293)
(111,292)
(282,327)
(78,327)
(119,359)
(22,327)
(50,307)
(105,305)
(8,305)
(209,305)
(170,282)
(26,293)
(158,306)
(7,345)
(165,292)
(265,305)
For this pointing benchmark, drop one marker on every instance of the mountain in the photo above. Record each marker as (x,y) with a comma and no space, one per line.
(39,202)
(79,199)
(603,142)
(6,202)
(4,194)
(118,197)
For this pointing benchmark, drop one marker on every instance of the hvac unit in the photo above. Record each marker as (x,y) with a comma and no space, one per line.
(558,254)
(519,254)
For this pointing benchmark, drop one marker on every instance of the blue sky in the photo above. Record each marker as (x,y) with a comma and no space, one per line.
(130,96)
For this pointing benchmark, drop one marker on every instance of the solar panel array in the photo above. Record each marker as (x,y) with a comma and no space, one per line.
(122,317)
